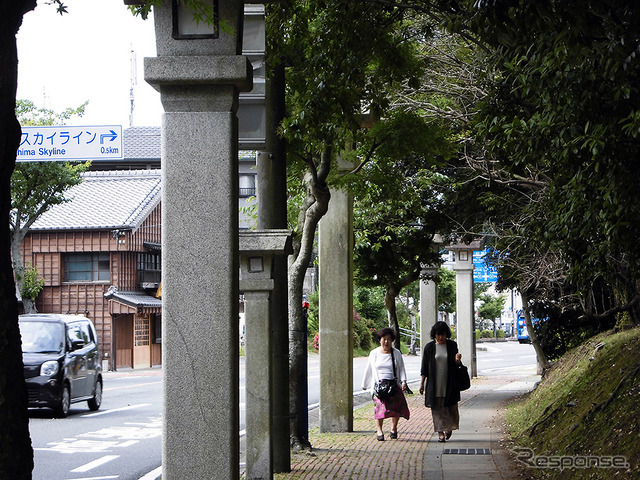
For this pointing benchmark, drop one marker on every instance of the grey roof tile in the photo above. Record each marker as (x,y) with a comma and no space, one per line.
(141,142)
(105,199)
(133,298)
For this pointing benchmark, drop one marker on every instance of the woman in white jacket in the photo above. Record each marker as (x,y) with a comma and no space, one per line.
(379,367)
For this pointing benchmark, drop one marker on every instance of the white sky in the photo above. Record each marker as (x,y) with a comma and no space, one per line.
(85,54)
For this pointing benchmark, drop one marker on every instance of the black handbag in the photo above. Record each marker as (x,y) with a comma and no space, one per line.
(463,382)
(386,388)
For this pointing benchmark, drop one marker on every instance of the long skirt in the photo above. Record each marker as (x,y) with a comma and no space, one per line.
(445,419)
(395,406)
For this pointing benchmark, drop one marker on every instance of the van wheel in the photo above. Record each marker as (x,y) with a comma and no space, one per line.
(96,401)
(62,410)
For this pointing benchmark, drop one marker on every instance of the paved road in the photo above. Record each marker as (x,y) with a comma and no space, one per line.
(122,440)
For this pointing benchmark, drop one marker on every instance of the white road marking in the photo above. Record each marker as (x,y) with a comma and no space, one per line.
(108,477)
(107,439)
(153,474)
(94,464)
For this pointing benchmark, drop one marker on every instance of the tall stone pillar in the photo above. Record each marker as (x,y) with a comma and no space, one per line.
(429,295)
(257,252)
(336,314)
(199,72)
(465,318)
(428,304)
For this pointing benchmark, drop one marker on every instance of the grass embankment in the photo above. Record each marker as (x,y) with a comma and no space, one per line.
(588,405)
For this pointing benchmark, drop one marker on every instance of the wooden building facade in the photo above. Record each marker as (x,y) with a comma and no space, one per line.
(99,255)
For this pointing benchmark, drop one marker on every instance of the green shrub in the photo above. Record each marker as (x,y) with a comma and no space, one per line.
(33,283)
(363,330)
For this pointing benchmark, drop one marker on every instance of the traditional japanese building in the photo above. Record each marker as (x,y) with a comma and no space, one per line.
(99,255)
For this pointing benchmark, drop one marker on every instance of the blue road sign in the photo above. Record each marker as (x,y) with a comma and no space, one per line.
(65,143)
(481,271)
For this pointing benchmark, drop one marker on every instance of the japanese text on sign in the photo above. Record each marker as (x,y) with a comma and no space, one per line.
(64,143)
(482,272)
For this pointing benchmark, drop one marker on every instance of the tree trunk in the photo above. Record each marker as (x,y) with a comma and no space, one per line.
(16,452)
(392,312)
(543,360)
(393,290)
(19,270)
(314,208)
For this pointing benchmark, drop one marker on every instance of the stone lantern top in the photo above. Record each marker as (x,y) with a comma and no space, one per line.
(473,245)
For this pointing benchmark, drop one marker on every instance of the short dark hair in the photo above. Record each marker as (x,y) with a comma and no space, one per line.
(440,328)
(385,331)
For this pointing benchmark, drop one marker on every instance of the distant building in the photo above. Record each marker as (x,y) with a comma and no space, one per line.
(105,240)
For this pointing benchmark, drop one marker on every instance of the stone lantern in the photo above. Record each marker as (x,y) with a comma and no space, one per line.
(199,72)
(465,317)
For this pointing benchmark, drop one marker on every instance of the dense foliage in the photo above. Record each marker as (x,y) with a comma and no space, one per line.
(548,170)
(563,111)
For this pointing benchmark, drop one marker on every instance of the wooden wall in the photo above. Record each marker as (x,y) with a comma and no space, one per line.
(44,250)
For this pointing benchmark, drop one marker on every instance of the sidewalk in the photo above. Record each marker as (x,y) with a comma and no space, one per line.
(474,451)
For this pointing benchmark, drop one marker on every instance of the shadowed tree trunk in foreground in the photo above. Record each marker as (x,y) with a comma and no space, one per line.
(16,452)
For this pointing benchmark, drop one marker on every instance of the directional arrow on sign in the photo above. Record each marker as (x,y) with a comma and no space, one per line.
(113,135)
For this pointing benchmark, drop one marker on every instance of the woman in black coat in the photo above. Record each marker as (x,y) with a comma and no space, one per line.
(440,360)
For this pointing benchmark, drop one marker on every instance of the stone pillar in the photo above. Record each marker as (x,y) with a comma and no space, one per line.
(199,75)
(336,315)
(429,295)
(465,320)
(428,303)
(257,249)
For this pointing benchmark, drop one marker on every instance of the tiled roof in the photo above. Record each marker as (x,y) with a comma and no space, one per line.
(105,199)
(133,298)
(141,143)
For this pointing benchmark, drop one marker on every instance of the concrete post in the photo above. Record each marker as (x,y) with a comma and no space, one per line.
(428,304)
(199,78)
(465,321)
(336,315)
(258,387)
(257,249)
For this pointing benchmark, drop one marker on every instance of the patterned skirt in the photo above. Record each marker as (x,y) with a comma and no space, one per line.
(445,419)
(395,406)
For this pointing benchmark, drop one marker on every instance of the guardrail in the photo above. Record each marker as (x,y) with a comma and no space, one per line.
(414,339)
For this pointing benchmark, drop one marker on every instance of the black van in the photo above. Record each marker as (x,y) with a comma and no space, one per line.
(61,361)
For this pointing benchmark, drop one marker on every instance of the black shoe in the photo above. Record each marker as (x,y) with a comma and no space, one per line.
(381,438)
(393,435)
(448,435)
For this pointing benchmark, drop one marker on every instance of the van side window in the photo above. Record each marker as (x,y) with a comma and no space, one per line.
(74,333)
(84,331)
(92,333)
(87,334)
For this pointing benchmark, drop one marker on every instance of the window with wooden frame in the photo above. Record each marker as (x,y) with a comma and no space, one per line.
(86,267)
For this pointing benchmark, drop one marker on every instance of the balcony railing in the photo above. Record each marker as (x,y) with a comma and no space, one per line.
(247,192)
